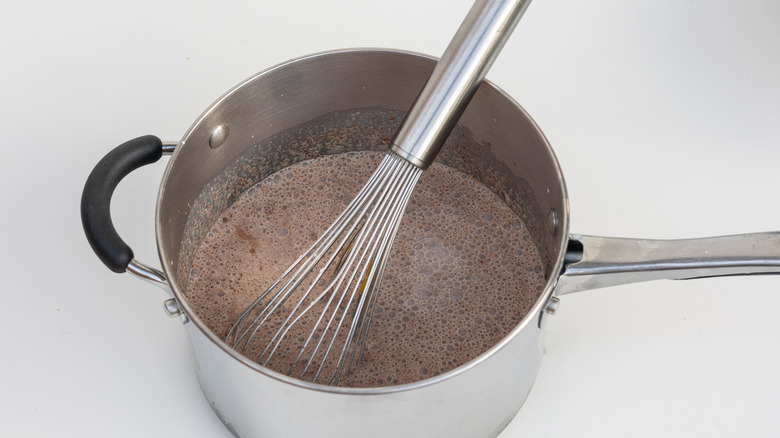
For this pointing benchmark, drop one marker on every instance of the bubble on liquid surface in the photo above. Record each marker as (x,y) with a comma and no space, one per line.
(432,243)
(422,291)
(425,269)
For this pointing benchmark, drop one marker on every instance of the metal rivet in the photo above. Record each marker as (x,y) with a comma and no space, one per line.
(552,305)
(172,307)
(219,135)
(552,222)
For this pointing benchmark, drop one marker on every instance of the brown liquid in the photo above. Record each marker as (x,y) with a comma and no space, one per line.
(462,273)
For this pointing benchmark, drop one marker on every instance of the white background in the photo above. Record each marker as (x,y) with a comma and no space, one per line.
(664,114)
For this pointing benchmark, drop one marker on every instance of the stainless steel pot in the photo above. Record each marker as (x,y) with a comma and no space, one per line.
(242,137)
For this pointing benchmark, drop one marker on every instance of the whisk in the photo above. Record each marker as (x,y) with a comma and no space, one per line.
(331,289)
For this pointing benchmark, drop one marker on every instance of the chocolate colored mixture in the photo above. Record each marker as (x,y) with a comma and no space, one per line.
(463,270)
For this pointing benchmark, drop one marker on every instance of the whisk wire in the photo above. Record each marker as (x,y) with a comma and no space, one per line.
(374,231)
(365,320)
(364,259)
(391,216)
(319,247)
(364,231)
(334,284)
(361,204)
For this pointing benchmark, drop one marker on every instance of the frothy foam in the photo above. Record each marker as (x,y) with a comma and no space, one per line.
(462,273)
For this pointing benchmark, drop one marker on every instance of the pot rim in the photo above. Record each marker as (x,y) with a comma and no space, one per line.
(532,317)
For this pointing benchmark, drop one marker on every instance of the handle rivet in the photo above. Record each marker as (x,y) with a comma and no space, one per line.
(219,135)
(552,222)
(172,307)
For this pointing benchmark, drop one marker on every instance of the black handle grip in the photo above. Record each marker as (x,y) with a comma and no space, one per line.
(96,198)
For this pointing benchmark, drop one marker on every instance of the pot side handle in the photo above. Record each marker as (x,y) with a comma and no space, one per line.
(96,205)
(594,262)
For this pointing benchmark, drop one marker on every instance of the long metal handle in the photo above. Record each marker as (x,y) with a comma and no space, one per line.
(455,79)
(596,262)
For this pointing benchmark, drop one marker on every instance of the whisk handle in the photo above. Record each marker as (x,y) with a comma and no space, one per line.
(455,79)
(98,190)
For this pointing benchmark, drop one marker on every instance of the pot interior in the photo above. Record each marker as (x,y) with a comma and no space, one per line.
(339,102)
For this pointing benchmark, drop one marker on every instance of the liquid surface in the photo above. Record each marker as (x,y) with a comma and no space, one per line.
(462,274)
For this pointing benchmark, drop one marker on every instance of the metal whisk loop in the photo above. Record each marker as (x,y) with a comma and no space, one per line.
(364,231)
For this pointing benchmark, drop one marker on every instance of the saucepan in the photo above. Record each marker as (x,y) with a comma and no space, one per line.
(245,136)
